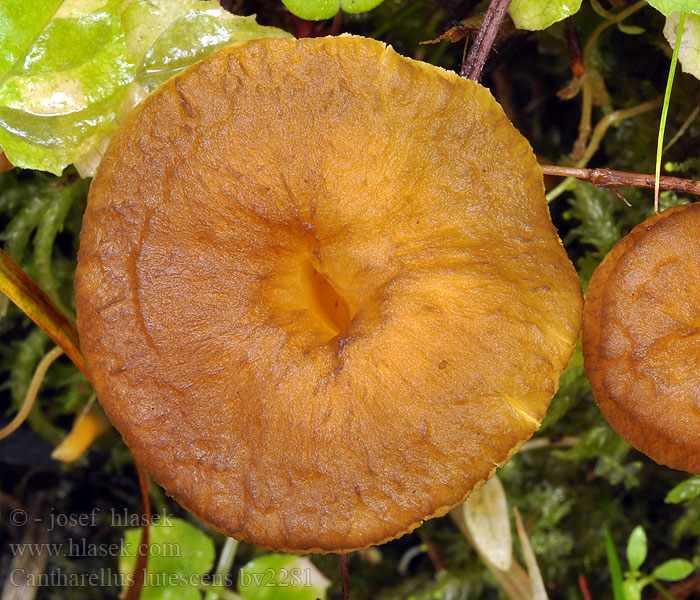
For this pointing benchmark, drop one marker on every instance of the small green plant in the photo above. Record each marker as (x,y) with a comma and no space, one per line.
(687,489)
(181,566)
(635,580)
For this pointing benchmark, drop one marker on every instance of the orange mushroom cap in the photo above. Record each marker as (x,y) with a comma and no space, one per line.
(641,337)
(319,292)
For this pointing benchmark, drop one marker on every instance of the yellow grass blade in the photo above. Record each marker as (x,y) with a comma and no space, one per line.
(31,299)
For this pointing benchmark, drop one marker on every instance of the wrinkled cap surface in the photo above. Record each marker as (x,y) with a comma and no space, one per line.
(641,337)
(319,292)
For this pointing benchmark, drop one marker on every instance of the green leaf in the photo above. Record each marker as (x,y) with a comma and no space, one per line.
(71,70)
(191,37)
(179,554)
(685,490)
(540,14)
(670,6)
(24,22)
(282,577)
(673,570)
(316,10)
(637,548)
(689,51)
(614,566)
(65,86)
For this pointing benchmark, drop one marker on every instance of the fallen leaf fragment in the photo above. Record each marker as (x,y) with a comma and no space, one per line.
(486,517)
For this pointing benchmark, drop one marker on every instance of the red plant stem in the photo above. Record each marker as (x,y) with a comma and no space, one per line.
(302,27)
(578,68)
(479,52)
(134,590)
(583,586)
(337,24)
(611,178)
(346,576)
(434,555)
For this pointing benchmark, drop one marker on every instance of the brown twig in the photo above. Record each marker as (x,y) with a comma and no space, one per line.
(610,178)
(478,53)
(599,132)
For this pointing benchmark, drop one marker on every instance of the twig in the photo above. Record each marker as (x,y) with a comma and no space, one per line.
(478,53)
(598,134)
(610,178)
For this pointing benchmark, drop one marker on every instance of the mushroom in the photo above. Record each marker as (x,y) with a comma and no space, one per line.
(641,337)
(319,292)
